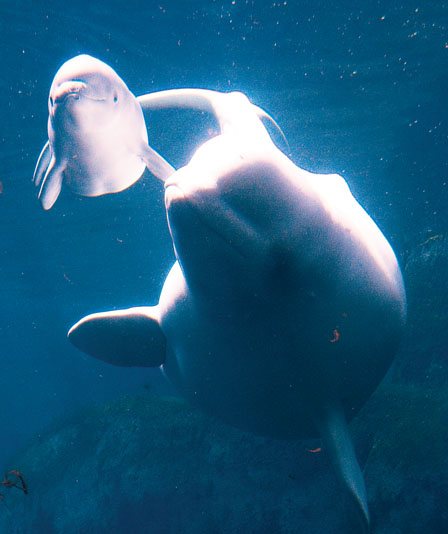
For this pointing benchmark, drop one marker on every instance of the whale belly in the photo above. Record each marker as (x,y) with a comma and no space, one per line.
(250,362)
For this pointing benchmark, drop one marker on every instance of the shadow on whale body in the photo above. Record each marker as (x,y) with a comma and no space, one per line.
(286,304)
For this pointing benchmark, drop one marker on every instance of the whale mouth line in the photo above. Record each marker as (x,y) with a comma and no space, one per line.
(66,89)
(60,99)
(63,97)
(75,89)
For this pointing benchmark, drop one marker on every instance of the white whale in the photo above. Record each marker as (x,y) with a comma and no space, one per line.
(97,134)
(286,304)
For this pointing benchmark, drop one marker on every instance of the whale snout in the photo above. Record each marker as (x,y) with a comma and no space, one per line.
(66,89)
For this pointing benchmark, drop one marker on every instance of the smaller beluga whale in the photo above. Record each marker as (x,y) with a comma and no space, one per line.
(98,141)
(285,305)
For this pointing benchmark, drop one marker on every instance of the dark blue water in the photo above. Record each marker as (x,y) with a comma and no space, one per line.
(358,88)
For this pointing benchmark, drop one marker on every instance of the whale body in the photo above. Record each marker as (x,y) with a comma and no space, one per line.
(286,303)
(98,141)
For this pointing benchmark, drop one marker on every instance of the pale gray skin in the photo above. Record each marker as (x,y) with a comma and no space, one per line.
(98,141)
(286,304)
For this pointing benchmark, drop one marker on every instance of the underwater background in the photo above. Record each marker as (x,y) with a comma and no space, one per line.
(359,89)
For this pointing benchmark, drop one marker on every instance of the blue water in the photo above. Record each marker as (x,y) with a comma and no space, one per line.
(358,88)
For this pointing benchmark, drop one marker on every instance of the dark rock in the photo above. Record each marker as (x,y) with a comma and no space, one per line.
(423,357)
(147,465)
(407,468)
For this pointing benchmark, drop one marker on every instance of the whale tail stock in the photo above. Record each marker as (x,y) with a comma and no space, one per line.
(204,100)
(332,424)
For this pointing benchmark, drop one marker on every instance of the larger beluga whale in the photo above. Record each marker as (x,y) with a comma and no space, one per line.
(98,141)
(285,305)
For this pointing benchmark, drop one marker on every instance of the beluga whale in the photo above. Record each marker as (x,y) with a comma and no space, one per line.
(285,305)
(98,142)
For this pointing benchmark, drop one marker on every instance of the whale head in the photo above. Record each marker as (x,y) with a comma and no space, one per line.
(98,142)
(85,92)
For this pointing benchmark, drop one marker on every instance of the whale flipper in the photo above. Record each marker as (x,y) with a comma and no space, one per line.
(335,434)
(52,183)
(42,164)
(127,338)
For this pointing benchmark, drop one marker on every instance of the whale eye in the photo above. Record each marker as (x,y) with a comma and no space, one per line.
(115,97)
(51,101)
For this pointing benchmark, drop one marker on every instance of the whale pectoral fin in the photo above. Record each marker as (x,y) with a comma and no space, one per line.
(156,164)
(127,338)
(337,442)
(51,185)
(42,164)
